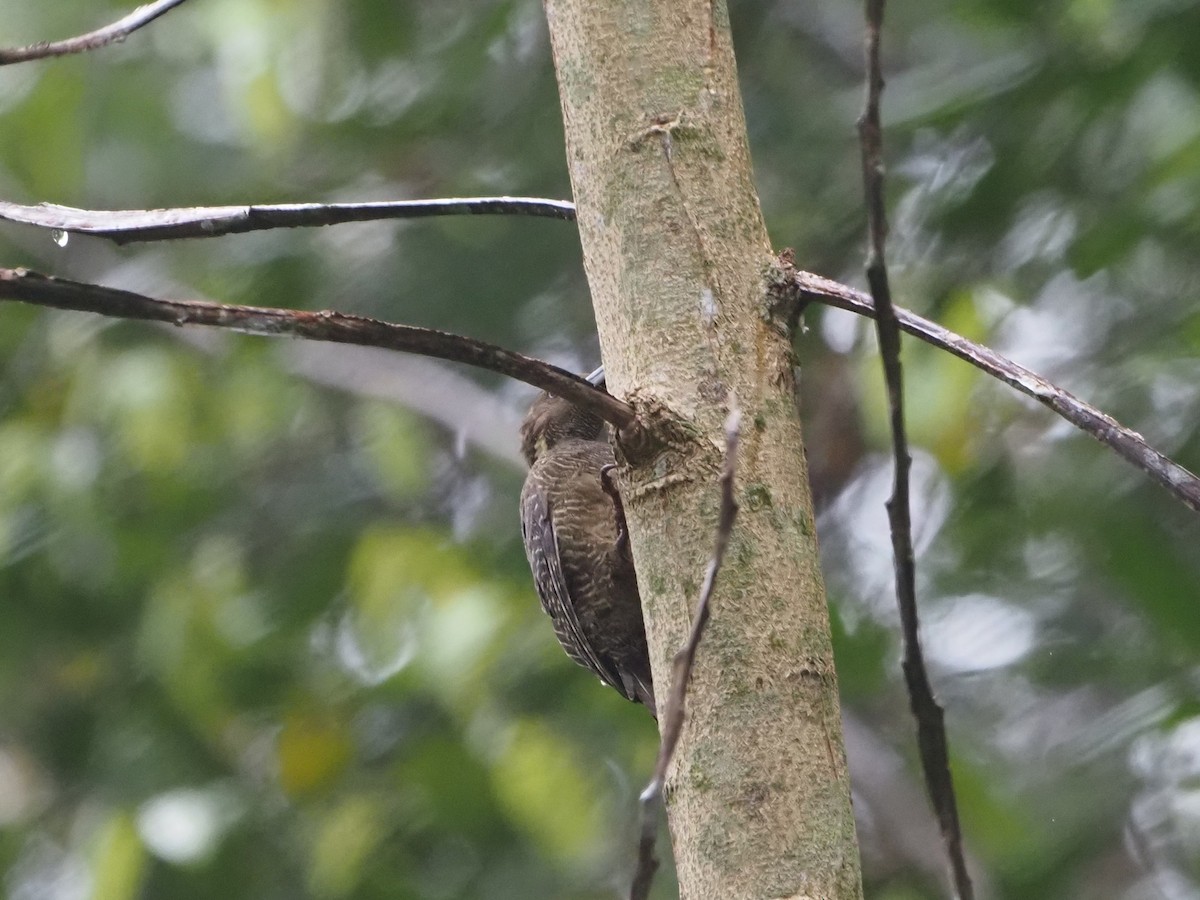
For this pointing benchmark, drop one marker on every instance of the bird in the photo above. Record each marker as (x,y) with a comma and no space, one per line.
(573,528)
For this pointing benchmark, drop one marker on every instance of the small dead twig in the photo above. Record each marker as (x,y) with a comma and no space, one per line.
(93,40)
(681,671)
(325,325)
(931,728)
(126,226)
(1127,443)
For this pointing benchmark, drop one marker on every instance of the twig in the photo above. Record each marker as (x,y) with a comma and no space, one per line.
(124,226)
(681,671)
(931,727)
(93,40)
(60,293)
(1128,444)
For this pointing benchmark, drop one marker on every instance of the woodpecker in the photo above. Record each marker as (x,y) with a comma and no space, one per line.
(575,539)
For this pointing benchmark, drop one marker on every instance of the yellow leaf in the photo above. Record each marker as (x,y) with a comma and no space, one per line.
(312,751)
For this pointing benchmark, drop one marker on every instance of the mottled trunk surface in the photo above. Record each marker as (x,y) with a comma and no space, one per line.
(677,256)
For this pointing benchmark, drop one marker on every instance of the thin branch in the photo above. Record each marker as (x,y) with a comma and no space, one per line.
(60,293)
(1128,444)
(125,226)
(685,660)
(931,727)
(93,40)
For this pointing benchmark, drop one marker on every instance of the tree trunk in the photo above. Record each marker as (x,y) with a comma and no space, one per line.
(679,261)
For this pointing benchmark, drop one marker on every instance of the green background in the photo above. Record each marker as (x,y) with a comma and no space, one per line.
(266,628)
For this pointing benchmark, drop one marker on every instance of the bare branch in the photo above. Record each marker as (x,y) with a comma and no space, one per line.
(685,660)
(931,727)
(42,290)
(93,40)
(1128,444)
(125,226)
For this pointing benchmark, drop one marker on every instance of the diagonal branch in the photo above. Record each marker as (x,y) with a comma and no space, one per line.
(60,293)
(124,226)
(1128,444)
(93,40)
(931,727)
(685,660)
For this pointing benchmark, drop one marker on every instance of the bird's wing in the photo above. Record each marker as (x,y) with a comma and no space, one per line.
(541,546)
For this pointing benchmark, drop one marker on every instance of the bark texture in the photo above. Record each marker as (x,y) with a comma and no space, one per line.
(678,261)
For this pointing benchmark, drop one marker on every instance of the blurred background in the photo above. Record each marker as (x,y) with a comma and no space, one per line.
(266,627)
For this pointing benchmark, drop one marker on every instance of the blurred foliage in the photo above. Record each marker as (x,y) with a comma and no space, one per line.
(265,638)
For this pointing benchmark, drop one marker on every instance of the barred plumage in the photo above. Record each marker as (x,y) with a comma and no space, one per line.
(574,539)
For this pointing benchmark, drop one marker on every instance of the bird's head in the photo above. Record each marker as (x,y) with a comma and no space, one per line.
(552,420)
